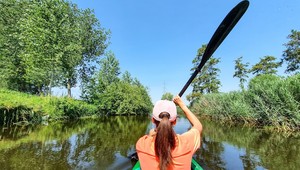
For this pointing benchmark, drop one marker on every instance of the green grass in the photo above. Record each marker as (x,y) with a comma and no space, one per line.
(19,107)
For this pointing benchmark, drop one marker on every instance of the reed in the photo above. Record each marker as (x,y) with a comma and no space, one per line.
(269,101)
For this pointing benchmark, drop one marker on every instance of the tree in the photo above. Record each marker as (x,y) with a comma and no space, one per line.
(108,74)
(126,77)
(94,42)
(207,80)
(48,43)
(11,68)
(266,65)
(43,31)
(122,98)
(86,42)
(241,71)
(292,54)
(109,69)
(116,95)
(167,96)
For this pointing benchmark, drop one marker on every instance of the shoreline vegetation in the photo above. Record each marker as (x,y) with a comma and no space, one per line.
(270,102)
(17,108)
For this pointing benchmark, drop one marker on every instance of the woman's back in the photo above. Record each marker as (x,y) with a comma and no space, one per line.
(186,145)
(162,148)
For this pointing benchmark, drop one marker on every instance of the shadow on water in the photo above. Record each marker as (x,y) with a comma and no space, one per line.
(106,143)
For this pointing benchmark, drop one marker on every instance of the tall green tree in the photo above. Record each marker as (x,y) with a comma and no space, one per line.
(52,43)
(87,41)
(11,68)
(108,74)
(241,71)
(126,77)
(292,53)
(266,65)
(109,70)
(94,42)
(114,95)
(42,34)
(207,80)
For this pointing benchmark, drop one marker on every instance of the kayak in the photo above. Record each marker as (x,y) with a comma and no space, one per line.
(195,165)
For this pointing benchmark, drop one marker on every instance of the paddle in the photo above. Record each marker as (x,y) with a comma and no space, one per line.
(220,34)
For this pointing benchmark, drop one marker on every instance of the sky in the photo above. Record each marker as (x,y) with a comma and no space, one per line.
(156,40)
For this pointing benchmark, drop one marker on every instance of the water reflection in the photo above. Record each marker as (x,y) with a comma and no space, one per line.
(230,147)
(105,144)
(85,144)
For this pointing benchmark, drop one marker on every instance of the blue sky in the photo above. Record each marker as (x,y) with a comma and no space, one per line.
(156,40)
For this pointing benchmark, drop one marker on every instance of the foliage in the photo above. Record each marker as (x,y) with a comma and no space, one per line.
(292,53)
(207,80)
(269,101)
(16,106)
(266,65)
(11,69)
(72,109)
(114,95)
(241,71)
(276,100)
(167,96)
(108,73)
(123,98)
(47,43)
(231,106)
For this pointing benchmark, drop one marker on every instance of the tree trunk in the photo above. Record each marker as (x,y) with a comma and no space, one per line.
(69,88)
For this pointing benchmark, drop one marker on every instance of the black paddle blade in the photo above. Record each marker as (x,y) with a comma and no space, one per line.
(220,34)
(223,30)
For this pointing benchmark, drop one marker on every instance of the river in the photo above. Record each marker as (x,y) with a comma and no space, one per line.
(106,143)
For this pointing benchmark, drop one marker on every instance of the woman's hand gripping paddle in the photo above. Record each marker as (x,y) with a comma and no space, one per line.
(220,34)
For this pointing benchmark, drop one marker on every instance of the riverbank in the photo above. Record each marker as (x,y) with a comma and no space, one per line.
(22,108)
(271,102)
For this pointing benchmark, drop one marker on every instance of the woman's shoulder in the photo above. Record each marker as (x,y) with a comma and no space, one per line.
(191,133)
(187,142)
(190,137)
(144,142)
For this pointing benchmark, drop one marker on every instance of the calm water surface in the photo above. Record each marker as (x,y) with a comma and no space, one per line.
(106,143)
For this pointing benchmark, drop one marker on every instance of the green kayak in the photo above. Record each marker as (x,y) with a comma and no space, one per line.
(195,165)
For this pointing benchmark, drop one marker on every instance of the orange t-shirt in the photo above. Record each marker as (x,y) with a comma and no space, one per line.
(187,145)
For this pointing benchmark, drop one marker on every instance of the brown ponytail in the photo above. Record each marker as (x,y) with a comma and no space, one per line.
(165,141)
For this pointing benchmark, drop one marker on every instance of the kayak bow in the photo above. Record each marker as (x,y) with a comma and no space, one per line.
(195,165)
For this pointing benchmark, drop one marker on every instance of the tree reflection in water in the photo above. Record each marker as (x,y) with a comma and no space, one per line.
(105,144)
(236,147)
(84,144)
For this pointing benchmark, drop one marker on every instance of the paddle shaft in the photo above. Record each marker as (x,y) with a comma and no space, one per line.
(220,34)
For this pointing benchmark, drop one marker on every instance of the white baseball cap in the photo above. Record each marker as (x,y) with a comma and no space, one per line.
(164,106)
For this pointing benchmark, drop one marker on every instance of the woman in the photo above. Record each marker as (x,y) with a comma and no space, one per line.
(164,149)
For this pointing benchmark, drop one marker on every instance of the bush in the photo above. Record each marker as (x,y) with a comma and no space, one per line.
(275,99)
(122,98)
(225,106)
(71,108)
(17,106)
